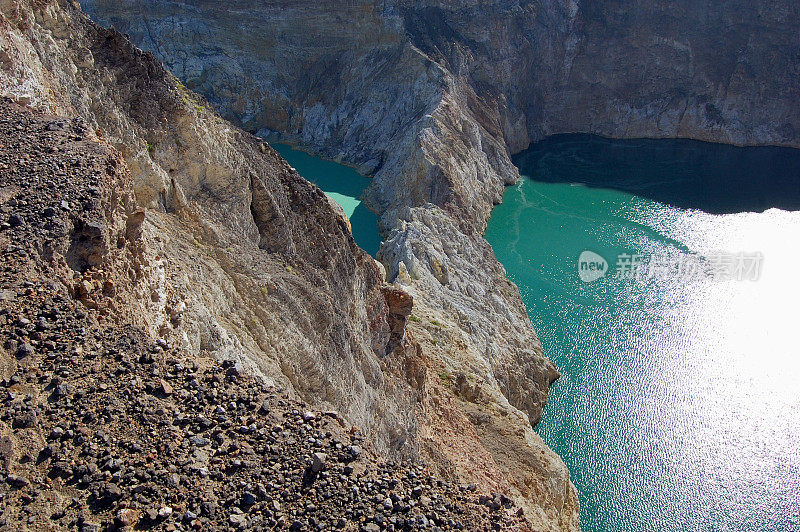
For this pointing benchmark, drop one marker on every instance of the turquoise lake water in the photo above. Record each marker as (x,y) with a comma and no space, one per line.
(345,186)
(679,403)
(678,408)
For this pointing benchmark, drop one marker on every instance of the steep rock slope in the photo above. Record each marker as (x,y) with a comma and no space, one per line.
(358,89)
(105,428)
(247,261)
(431,98)
(722,71)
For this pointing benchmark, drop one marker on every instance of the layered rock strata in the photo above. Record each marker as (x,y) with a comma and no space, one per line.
(103,427)
(248,262)
(432,97)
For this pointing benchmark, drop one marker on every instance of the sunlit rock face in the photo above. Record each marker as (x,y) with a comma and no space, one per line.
(246,260)
(431,97)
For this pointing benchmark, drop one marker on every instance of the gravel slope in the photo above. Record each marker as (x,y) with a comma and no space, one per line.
(103,427)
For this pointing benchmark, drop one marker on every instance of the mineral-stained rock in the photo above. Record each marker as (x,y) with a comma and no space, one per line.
(128,517)
(120,454)
(431,98)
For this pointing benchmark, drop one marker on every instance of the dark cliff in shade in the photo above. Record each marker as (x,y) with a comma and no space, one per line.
(719,71)
(722,71)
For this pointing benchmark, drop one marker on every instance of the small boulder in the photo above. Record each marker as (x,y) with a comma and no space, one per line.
(164,388)
(237,520)
(354,451)
(127,517)
(24,350)
(248,499)
(318,462)
(15,220)
(111,493)
(17,481)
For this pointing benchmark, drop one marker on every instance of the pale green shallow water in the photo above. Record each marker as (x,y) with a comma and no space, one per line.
(345,186)
(679,402)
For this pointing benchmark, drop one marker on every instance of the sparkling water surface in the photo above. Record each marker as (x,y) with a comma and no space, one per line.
(679,403)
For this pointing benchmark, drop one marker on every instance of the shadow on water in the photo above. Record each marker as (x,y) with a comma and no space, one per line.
(715,178)
(345,186)
(365,229)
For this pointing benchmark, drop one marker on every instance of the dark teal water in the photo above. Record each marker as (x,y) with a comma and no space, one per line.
(679,402)
(345,186)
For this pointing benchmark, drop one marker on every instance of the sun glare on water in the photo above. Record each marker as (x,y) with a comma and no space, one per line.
(679,403)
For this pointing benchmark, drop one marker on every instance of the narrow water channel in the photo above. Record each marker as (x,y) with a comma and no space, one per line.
(344,185)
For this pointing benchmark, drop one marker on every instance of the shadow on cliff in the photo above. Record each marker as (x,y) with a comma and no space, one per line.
(715,178)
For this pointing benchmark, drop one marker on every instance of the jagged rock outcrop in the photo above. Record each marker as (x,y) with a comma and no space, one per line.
(245,261)
(431,98)
(103,427)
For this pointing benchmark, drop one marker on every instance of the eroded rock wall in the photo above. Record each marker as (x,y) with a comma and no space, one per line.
(431,98)
(247,261)
(717,71)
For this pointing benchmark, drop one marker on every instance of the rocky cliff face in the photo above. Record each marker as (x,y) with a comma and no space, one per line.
(722,71)
(428,97)
(431,98)
(104,427)
(247,261)
(243,260)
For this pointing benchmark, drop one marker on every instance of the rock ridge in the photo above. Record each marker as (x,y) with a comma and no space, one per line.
(247,262)
(431,98)
(103,427)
